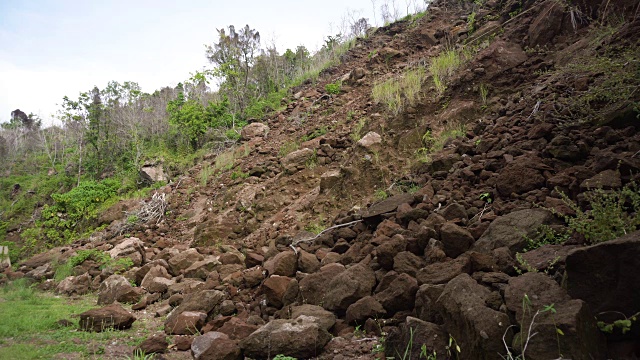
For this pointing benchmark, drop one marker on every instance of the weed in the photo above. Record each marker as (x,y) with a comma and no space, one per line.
(283,357)
(315,228)
(356,134)
(238,174)
(333,88)
(486,197)
(380,194)
(471,23)
(432,142)
(205,174)
(312,162)
(610,214)
(445,65)
(316,133)
(624,325)
(545,235)
(224,161)
(287,148)
(484,92)
(399,92)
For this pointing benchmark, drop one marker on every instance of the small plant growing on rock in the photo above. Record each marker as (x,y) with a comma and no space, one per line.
(610,214)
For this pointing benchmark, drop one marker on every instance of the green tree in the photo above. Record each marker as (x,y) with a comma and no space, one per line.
(234,55)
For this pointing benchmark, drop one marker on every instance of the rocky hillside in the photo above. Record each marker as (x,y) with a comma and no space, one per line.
(479,214)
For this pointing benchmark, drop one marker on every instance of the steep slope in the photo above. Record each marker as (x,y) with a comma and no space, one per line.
(427,228)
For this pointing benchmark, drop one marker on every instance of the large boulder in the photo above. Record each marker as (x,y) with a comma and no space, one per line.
(366,308)
(414,335)
(400,294)
(202,301)
(326,319)
(276,289)
(348,287)
(455,239)
(301,338)
(215,346)
(443,272)
(112,316)
(117,288)
(297,160)
(605,275)
(75,285)
(478,329)
(283,264)
(132,248)
(314,287)
(512,230)
(153,274)
(530,297)
(183,260)
(254,130)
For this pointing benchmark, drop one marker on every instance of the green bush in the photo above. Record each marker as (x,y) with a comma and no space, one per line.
(609,214)
(333,88)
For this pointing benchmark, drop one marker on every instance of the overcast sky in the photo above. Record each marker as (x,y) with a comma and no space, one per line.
(53,48)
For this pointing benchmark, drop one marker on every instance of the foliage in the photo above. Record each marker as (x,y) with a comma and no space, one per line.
(64,220)
(380,194)
(260,106)
(333,88)
(609,214)
(397,93)
(238,174)
(194,119)
(624,325)
(545,235)
(614,79)
(444,65)
(433,142)
(316,133)
(283,357)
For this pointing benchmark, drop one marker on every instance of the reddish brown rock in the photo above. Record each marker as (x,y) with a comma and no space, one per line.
(113,316)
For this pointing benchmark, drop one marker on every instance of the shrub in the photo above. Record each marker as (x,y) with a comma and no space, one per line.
(609,214)
(334,88)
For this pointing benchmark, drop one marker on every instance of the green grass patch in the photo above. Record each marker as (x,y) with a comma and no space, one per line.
(29,329)
(434,141)
(443,66)
(397,93)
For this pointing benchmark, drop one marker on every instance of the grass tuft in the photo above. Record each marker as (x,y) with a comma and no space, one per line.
(399,92)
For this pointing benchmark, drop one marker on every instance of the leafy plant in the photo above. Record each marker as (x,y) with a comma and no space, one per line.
(205,174)
(434,142)
(333,88)
(609,214)
(486,197)
(316,133)
(238,174)
(484,92)
(283,357)
(545,235)
(380,194)
(623,325)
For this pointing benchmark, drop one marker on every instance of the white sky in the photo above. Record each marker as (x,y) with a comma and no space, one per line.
(53,48)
